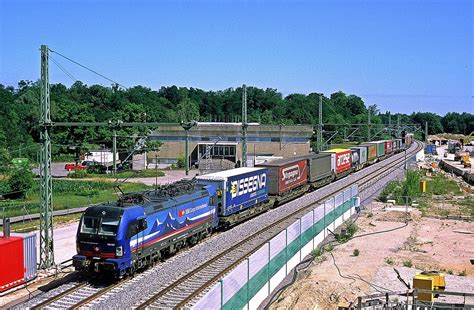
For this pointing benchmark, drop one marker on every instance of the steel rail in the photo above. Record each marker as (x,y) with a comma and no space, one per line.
(55,298)
(302,211)
(97,294)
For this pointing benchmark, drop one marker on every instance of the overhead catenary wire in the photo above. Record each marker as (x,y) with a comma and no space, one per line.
(72,77)
(88,69)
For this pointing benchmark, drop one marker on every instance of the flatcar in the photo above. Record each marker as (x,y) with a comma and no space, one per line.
(140,228)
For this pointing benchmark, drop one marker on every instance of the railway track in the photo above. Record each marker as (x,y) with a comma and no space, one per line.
(76,296)
(186,288)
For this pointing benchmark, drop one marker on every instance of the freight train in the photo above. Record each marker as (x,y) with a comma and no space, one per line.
(141,228)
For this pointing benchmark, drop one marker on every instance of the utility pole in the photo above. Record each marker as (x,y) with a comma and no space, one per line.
(114,151)
(390,129)
(244,126)
(398,125)
(426,131)
(368,125)
(319,136)
(187,126)
(46,185)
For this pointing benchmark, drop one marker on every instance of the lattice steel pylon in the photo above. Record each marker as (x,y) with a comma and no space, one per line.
(46,185)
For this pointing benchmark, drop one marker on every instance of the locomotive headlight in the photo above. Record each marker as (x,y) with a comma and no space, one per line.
(119,251)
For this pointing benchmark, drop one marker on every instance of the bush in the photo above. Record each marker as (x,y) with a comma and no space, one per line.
(463,273)
(181,161)
(389,261)
(407,263)
(20,181)
(356,252)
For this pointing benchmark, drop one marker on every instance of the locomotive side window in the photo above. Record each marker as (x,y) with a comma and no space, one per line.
(132,229)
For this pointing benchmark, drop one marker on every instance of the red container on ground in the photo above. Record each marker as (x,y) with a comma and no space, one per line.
(12,269)
(286,174)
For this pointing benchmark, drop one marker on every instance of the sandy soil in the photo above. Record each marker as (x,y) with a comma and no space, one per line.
(422,243)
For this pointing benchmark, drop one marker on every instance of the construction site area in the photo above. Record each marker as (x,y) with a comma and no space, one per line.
(393,242)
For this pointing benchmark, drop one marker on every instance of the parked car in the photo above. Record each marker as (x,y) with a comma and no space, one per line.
(73,166)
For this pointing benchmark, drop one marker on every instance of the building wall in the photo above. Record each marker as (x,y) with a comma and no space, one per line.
(285,141)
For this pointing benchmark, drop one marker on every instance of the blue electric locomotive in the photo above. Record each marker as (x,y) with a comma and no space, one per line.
(121,237)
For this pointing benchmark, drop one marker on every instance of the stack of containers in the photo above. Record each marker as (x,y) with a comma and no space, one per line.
(17,260)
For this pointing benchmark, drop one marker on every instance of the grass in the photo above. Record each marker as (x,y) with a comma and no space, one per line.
(69,194)
(28,226)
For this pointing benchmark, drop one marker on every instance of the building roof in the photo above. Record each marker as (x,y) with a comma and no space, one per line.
(222,175)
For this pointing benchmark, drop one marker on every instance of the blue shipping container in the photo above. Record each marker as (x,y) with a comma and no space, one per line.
(430,149)
(238,188)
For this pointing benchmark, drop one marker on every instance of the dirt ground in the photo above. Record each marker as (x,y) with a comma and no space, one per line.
(421,244)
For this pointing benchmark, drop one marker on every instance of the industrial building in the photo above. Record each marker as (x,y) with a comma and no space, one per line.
(223,142)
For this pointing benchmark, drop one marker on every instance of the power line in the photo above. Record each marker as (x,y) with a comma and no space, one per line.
(63,69)
(87,68)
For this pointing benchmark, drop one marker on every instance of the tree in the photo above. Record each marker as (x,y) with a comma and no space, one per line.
(188,110)
(20,181)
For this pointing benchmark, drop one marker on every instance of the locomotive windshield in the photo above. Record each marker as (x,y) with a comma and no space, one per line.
(104,226)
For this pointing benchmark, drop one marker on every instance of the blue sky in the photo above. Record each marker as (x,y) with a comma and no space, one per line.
(403,55)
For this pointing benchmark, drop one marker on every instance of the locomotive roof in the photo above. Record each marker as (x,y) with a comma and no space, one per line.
(283,161)
(222,175)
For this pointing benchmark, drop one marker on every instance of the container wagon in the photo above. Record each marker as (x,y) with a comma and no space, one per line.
(371,152)
(380,148)
(17,260)
(241,193)
(359,157)
(287,178)
(388,147)
(320,171)
(341,161)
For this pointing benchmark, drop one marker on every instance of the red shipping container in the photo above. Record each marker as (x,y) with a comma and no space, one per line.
(292,175)
(341,160)
(285,174)
(12,271)
(388,147)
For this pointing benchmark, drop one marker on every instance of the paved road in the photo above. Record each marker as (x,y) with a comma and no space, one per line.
(57,170)
(64,238)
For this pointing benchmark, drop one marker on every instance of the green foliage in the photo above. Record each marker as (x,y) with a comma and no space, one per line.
(181,161)
(389,261)
(407,263)
(356,252)
(20,182)
(442,185)
(350,230)
(19,113)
